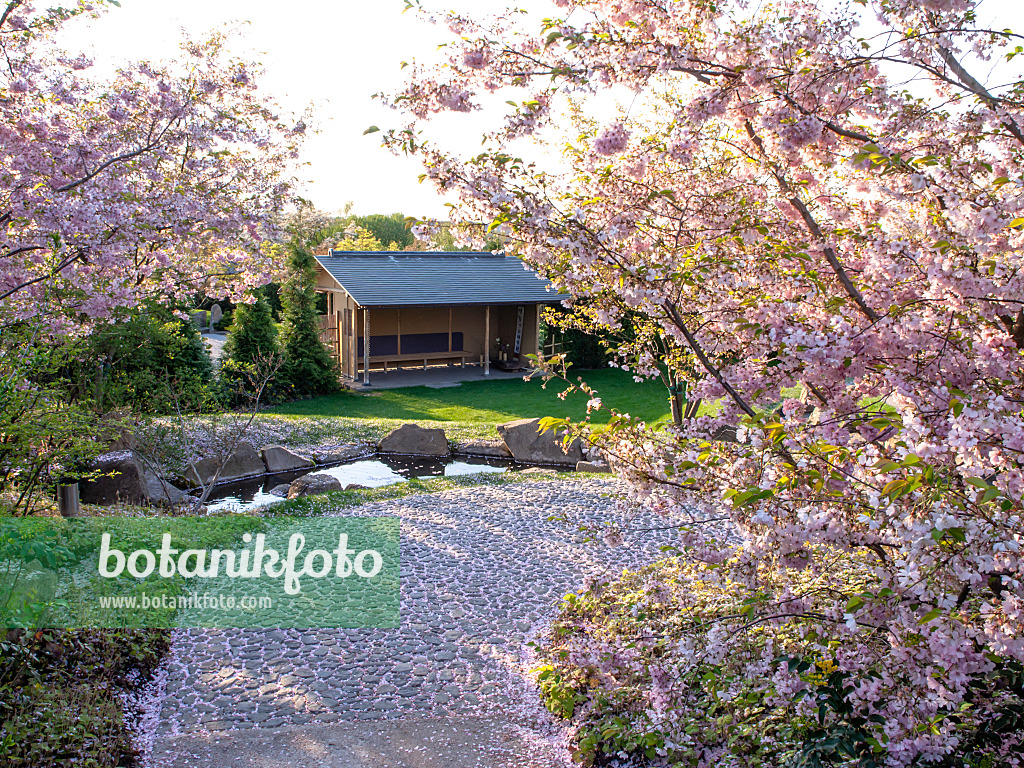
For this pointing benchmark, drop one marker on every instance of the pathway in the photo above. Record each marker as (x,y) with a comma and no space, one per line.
(482,569)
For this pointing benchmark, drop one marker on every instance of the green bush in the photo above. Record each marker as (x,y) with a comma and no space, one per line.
(225,321)
(61,695)
(152,362)
(584,350)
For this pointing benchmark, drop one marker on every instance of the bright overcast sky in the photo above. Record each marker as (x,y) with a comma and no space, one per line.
(331,56)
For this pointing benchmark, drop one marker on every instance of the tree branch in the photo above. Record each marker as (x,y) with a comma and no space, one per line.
(705,360)
(830,255)
(968,81)
(103,166)
(79,255)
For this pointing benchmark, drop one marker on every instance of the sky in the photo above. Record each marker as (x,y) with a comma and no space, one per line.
(330,57)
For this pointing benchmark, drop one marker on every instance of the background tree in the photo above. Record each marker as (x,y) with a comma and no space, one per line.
(392,232)
(308,365)
(252,353)
(355,238)
(834,258)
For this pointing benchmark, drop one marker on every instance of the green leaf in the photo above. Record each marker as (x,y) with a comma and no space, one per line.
(933,614)
(371,129)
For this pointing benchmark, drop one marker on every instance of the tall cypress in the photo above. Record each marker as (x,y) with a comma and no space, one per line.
(308,365)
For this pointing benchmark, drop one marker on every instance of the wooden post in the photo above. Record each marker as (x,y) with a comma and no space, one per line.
(366,347)
(538,350)
(67,500)
(487,340)
(449,329)
(398,315)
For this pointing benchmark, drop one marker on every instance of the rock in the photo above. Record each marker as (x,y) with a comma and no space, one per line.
(495,448)
(310,485)
(356,487)
(243,463)
(280,490)
(539,471)
(162,492)
(198,319)
(527,445)
(593,466)
(414,440)
(216,315)
(338,455)
(277,458)
(122,479)
(119,480)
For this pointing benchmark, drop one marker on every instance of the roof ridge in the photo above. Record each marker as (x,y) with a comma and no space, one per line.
(491,254)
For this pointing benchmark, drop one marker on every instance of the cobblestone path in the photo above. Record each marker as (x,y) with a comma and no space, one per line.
(483,568)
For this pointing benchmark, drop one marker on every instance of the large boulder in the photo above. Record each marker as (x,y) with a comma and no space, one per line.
(598,467)
(122,479)
(242,464)
(414,440)
(277,458)
(339,454)
(493,448)
(159,491)
(118,478)
(310,485)
(528,445)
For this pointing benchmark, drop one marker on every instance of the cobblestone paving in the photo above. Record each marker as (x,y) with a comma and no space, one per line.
(482,568)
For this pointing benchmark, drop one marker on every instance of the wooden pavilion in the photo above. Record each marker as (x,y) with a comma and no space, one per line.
(399,308)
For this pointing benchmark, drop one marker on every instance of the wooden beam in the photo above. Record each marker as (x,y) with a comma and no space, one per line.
(537,351)
(398,314)
(366,347)
(487,340)
(449,329)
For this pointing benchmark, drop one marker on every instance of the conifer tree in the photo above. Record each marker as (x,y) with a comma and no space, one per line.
(308,365)
(252,335)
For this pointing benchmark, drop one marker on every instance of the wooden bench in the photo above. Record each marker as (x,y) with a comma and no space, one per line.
(414,347)
(425,357)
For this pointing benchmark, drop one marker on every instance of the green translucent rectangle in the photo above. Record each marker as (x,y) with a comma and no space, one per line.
(107,572)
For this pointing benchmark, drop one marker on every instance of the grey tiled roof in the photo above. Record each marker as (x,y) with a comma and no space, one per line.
(422,278)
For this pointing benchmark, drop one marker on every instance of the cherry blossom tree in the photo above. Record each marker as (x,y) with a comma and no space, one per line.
(159,180)
(820,216)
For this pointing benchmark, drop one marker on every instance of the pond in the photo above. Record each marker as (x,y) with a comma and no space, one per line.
(371,472)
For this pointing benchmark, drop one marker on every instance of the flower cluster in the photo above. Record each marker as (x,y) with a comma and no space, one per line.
(612,140)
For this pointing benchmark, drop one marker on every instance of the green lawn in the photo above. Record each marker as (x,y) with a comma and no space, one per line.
(492,402)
